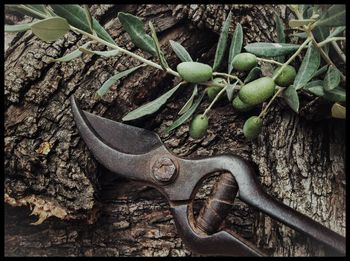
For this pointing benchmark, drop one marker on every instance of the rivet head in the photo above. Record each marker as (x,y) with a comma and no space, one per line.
(164,169)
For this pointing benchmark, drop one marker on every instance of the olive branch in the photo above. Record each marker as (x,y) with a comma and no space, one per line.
(320,28)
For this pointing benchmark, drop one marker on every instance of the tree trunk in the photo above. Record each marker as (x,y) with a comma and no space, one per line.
(82,209)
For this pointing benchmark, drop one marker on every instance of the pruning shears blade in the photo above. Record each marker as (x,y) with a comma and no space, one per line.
(122,137)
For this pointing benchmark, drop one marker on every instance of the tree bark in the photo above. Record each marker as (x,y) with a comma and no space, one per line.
(82,209)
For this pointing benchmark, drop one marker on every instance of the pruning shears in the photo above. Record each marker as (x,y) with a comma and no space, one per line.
(139,154)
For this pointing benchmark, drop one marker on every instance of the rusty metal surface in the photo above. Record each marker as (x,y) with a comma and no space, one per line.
(139,154)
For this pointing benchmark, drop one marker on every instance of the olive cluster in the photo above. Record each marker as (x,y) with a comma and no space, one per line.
(249,96)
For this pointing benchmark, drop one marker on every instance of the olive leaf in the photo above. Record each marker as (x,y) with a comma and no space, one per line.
(290,95)
(107,84)
(50,29)
(320,71)
(338,111)
(320,34)
(271,49)
(294,23)
(189,102)
(17,27)
(29,10)
(230,90)
(334,16)
(134,27)
(100,53)
(180,51)
(72,55)
(308,67)
(184,117)
(220,49)
(253,74)
(332,78)
(236,45)
(89,18)
(315,87)
(336,95)
(281,37)
(152,106)
(160,54)
(305,10)
(76,16)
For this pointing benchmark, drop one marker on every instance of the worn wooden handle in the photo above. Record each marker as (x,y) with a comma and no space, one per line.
(218,204)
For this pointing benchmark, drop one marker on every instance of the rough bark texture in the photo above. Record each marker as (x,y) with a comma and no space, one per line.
(95,213)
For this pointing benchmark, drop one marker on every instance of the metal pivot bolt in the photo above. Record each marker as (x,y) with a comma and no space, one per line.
(164,169)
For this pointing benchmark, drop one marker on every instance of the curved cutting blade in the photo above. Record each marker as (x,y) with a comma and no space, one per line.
(122,137)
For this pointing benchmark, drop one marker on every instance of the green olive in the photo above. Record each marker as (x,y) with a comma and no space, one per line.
(286,77)
(244,61)
(257,91)
(194,72)
(199,126)
(212,91)
(241,106)
(252,127)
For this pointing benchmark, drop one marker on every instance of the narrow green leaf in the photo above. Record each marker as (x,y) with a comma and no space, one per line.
(160,54)
(281,37)
(308,67)
(316,90)
(294,23)
(50,29)
(335,16)
(134,27)
(17,27)
(332,78)
(320,34)
(76,16)
(184,117)
(28,10)
(180,51)
(107,84)
(236,45)
(152,106)
(100,53)
(319,72)
(337,95)
(220,49)
(338,111)
(315,87)
(40,8)
(271,49)
(189,102)
(72,55)
(230,90)
(305,11)
(89,17)
(254,74)
(290,95)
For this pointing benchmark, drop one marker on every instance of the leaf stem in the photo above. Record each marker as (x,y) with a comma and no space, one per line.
(229,76)
(148,62)
(264,111)
(292,57)
(215,99)
(332,39)
(269,61)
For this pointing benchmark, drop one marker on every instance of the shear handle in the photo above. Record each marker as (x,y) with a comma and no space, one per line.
(251,192)
(222,243)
